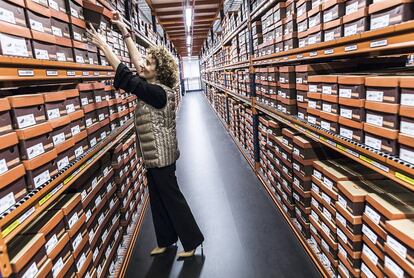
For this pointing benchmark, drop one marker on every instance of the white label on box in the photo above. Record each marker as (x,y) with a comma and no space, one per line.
(107,252)
(59,138)
(315,188)
(53,5)
(317,174)
(396,246)
(101,219)
(374,119)
(31,271)
(375,96)
(13,46)
(79,59)
(326,90)
(75,130)
(95,254)
(296,167)
(88,214)
(299,80)
(105,234)
(342,251)
(329,36)
(101,117)
(370,254)
(77,241)
(70,108)
(407,128)
(312,22)
(25,72)
(342,201)
(326,212)
(296,196)
(79,151)
(53,113)
(57,267)
(341,219)
(342,235)
(42,178)
(61,57)
(25,121)
(6,202)
(35,150)
(372,214)
(98,201)
(74,12)
(312,104)
(73,220)
(51,243)
(325,245)
(327,182)
(84,101)
(407,155)
(325,228)
(41,54)
(103,135)
(351,8)
(407,99)
(313,229)
(351,30)
(312,40)
(299,98)
(346,113)
(327,107)
(327,16)
(347,133)
(80,262)
(88,122)
(367,271)
(391,265)
(313,88)
(345,93)
(36,25)
(326,198)
(63,163)
(8,16)
(94,182)
(296,181)
(370,234)
(3,166)
(57,31)
(373,142)
(380,22)
(91,61)
(325,125)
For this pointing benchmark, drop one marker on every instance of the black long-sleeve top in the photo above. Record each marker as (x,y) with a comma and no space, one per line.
(151,94)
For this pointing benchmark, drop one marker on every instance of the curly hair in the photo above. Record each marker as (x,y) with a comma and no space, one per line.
(167,68)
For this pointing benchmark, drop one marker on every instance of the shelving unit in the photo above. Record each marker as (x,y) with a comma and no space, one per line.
(371,45)
(86,175)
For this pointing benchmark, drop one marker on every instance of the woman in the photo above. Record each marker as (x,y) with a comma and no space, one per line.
(156,132)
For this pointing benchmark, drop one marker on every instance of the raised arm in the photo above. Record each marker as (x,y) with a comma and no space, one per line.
(132,48)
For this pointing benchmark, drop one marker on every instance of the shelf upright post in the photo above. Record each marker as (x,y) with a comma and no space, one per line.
(253,88)
(5,267)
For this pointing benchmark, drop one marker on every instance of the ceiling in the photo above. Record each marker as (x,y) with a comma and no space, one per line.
(170,14)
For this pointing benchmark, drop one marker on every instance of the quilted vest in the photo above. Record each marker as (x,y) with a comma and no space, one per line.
(156,132)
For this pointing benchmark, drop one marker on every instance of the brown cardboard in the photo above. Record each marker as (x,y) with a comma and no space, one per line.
(45,50)
(33,244)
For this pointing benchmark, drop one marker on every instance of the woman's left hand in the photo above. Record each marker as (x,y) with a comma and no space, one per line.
(96,38)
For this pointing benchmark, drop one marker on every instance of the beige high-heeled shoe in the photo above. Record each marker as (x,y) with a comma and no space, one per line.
(158,251)
(188,254)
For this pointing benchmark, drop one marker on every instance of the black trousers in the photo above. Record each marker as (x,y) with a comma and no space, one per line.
(171,214)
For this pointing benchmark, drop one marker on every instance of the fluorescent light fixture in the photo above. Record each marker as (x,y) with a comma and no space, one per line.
(188,17)
(189,40)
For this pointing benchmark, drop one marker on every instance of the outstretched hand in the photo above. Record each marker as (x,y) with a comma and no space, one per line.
(119,22)
(96,38)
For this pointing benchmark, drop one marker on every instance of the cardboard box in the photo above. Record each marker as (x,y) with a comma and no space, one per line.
(44,51)
(28,253)
(387,14)
(64,54)
(13,188)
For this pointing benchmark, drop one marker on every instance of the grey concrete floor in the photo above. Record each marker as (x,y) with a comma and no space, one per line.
(245,234)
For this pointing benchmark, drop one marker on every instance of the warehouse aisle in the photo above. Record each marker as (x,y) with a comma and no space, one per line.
(245,234)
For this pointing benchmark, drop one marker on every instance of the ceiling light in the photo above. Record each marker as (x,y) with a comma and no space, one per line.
(188,17)
(189,40)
